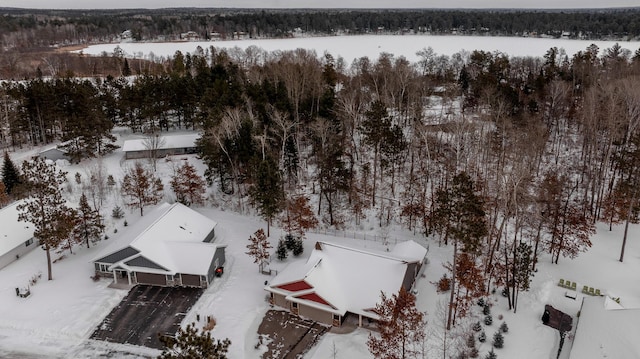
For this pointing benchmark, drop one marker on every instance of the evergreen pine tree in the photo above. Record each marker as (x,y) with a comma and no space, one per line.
(298,248)
(477,327)
(491,355)
(488,319)
(471,341)
(503,327)
(117,212)
(289,241)
(474,353)
(89,223)
(267,194)
(498,340)
(191,343)
(10,175)
(486,310)
(45,207)
(482,337)
(281,250)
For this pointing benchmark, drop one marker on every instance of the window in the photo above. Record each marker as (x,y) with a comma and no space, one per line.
(28,242)
(104,267)
(336,317)
(169,278)
(294,305)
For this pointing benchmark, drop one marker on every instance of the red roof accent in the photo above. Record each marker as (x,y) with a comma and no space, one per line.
(296,286)
(315,298)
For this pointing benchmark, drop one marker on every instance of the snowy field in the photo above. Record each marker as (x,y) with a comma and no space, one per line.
(353,47)
(59,316)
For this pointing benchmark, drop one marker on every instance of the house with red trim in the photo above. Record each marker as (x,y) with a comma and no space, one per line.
(339,281)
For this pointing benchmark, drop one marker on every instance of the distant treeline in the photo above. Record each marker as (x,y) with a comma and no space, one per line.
(21,28)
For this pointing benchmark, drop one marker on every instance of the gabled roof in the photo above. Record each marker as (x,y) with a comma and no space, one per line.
(13,232)
(606,330)
(165,142)
(169,239)
(340,279)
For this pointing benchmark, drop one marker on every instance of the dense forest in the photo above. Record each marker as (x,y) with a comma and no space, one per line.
(488,151)
(34,38)
(500,157)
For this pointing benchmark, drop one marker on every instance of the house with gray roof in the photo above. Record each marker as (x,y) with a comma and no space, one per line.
(172,245)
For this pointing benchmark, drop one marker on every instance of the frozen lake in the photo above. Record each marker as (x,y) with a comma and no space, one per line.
(352,47)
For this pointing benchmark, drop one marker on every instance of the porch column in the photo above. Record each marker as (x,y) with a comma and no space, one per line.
(115,277)
(360,320)
(129,277)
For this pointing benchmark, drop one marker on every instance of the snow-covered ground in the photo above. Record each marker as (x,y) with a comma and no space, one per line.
(353,47)
(59,316)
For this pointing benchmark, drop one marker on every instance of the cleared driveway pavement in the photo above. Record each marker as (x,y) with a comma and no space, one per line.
(145,312)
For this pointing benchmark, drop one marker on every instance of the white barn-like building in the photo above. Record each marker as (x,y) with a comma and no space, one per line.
(165,146)
(16,237)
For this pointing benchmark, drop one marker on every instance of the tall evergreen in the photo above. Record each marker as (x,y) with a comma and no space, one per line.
(267,193)
(10,175)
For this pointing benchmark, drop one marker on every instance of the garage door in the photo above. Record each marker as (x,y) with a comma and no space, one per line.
(190,280)
(149,278)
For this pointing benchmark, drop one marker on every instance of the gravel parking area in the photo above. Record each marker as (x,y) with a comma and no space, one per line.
(145,312)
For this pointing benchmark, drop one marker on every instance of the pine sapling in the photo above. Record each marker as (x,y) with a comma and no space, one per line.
(281,251)
(491,355)
(504,328)
(498,340)
(298,248)
(488,320)
(482,337)
(477,327)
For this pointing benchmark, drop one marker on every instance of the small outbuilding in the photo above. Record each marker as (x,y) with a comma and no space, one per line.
(16,237)
(338,281)
(162,146)
(170,246)
(54,153)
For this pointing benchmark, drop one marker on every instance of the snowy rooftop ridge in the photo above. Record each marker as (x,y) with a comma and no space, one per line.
(13,232)
(164,142)
(348,279)
(172,237)
(606,331)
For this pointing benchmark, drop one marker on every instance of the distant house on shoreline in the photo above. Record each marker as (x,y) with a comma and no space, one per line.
(16,238)
(162,145)
(170,246)
(337,281)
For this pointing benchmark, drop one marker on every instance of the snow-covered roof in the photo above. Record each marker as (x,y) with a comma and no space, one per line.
(606,330)
(347,279)
(13,232)
(171,236)
(165,142)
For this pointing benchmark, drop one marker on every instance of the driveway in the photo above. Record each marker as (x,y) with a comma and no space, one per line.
(145,312)
(288,336)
